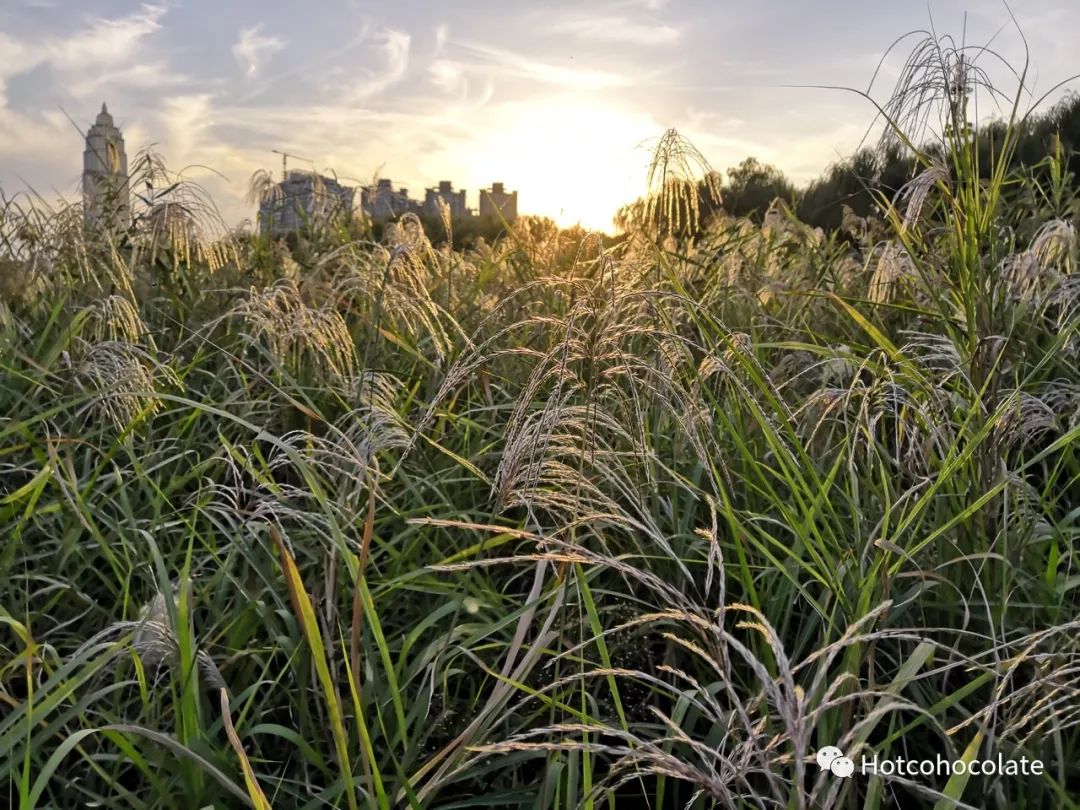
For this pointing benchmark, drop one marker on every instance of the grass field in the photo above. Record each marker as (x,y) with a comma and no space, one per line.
(547,523)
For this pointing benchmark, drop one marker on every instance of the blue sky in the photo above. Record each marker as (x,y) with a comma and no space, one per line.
(556,99)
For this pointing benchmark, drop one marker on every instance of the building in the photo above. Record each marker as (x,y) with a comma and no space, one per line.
(496,203)
(106,196)
(304,199)
(381,202)
(454,200)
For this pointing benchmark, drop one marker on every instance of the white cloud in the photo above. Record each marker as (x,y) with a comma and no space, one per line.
(448,75)
(18,58)
(151,76)
(105,43)
(395,46)
(253,48)
(617,29)
(187,119)
(514,64)
(107,51)
(463,91)
(45,140)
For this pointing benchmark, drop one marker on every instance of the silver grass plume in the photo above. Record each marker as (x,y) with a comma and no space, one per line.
(154,640)
(123,381)
(296,333)
(916,190)
(346,454)
(893,273)
(115,318)
(388,287)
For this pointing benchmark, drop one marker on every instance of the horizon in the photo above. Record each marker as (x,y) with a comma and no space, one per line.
(418,97)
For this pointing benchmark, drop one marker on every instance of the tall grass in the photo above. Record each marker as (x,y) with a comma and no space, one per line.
(346,524)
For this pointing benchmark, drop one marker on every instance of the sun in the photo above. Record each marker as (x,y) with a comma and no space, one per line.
(574,159)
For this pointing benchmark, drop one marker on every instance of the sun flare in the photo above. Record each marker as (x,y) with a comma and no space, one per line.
(579,160)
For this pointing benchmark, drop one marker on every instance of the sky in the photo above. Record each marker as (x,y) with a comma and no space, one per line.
(559,99)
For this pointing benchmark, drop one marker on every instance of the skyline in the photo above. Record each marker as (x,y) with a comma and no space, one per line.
(558,102)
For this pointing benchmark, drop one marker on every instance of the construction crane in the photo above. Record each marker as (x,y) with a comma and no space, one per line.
(285,161)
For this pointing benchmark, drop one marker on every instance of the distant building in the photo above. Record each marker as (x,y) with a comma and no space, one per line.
(106,197)
(381,202)
(497,203)
(455,200)
(302,199)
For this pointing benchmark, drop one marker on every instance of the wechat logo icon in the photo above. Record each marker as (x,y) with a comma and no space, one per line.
(831,758)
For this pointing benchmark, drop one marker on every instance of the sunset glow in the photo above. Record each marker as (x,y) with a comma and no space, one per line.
(578,159)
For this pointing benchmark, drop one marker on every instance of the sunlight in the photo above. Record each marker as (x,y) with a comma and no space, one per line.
(576,160)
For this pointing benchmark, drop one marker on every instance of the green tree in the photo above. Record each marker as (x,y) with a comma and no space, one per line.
(752,186)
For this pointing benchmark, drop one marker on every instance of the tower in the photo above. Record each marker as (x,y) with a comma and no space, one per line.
(105,176)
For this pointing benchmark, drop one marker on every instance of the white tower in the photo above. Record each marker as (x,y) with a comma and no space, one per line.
(106,202)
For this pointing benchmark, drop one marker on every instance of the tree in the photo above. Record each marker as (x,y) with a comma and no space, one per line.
(752,186)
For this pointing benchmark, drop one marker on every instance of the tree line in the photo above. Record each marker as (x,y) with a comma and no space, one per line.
(859,184)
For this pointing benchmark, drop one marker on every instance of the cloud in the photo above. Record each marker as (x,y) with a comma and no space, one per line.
(150,76)
(442,35)
(105,43)
(465,92)
(18,58)
(253,48)
(394,46)
(111,47)
(448,75)
(45,140)
(514,64)
(617,29)
(187,120)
